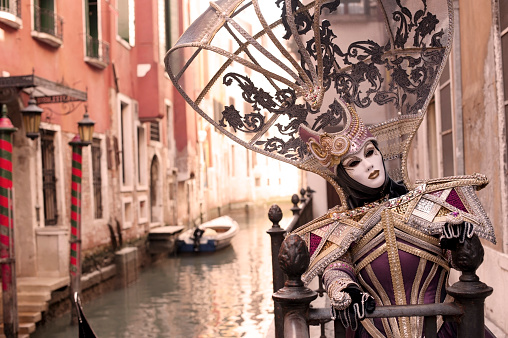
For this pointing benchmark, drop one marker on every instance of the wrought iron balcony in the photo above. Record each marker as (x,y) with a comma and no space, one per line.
(48,26)
(10,12)
(97,52)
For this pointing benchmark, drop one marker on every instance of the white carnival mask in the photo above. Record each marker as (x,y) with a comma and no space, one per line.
(366,167)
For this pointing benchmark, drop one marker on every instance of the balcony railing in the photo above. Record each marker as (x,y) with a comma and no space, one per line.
(48,22)
(97,51)
(11,6)
(10,13)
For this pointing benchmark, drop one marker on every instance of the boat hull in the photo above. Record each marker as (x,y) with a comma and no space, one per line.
(216,235)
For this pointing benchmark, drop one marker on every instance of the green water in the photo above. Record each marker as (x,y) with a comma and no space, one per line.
(222,294)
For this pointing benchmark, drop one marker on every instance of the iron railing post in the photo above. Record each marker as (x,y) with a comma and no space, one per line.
(295,200)
(277,236)
(294,297)
(469,292)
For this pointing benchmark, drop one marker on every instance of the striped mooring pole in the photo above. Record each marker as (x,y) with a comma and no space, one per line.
(75,256)
(7,257)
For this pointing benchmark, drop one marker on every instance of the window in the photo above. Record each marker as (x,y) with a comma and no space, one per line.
(142,156)
(97,179)
(164,28)
(503,14)
(47,22)
(126,143)
(169,124)
(435,142)
(355,7)
(126,21)
(49,177)
(155,134)
(96,49)
(233,164)
(445,127)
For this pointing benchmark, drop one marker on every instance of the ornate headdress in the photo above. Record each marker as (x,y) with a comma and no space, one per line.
(330,148)
(273,66)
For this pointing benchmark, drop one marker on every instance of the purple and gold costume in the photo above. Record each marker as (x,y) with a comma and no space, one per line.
(391,249)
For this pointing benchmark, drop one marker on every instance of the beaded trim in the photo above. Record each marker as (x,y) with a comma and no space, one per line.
(394,202)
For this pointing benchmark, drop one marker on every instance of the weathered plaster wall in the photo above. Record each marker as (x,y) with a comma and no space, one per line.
(483,137)
(480,116)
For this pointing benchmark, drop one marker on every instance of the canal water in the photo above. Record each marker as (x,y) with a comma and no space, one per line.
(222,294)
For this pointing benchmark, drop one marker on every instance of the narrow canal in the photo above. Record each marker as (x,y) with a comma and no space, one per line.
(223,294)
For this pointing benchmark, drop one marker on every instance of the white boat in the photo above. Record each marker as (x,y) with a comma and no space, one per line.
(209,236)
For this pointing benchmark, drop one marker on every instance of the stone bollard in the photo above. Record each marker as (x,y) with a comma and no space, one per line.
(294,297)
(126,261)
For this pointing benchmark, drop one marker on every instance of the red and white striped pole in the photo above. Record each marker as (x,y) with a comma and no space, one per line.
(75,255)
(7,257)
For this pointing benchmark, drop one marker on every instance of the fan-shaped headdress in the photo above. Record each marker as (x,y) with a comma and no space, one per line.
(258,70)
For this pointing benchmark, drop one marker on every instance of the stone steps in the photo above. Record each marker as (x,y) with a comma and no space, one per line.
(24,329)
(33,295)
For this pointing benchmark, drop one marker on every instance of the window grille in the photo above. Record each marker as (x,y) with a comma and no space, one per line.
(155,131)
(49,177)
(97,179)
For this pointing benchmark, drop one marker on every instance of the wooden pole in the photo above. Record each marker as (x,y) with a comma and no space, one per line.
(75,255)
(7,257)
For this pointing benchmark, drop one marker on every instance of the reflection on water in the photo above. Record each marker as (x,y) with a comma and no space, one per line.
(222,294)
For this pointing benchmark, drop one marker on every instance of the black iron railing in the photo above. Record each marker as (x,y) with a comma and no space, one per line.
(11,6)
(302,213)
(47,21)
(97,49)
(292,311)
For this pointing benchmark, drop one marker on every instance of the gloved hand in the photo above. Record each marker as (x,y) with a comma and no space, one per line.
(453,234)
(361,302)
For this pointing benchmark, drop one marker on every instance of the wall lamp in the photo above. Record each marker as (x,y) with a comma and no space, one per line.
(32,118)
(85,129)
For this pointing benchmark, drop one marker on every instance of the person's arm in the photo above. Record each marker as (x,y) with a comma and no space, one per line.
(347,299)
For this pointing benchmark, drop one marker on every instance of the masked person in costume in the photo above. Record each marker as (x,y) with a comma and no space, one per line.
(384,248)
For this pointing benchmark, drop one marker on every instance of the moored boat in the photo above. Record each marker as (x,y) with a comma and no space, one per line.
(209,236)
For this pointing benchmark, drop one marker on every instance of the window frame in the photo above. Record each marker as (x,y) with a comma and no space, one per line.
(126,142)
(129,40)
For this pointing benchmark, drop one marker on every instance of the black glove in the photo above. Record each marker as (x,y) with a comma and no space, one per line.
(361,302)
(453,234)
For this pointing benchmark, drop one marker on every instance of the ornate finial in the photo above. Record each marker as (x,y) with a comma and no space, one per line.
(467,257)
(294,259)
(302,193)
(295,200)
(275,215)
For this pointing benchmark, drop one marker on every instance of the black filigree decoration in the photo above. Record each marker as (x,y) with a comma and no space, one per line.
(249,123)
(357,74)
(400,72)
(303,20)
(333,116)
(281,102)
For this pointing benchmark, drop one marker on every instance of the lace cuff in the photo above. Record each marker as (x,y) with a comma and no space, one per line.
(336,277)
